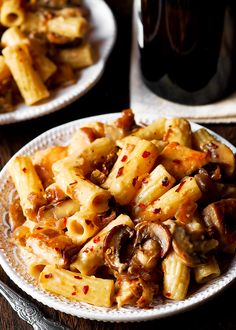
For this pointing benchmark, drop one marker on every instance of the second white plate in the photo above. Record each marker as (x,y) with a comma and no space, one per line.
(103,35)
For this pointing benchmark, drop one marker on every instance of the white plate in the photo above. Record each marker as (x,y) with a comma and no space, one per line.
(16,270)
(102,35)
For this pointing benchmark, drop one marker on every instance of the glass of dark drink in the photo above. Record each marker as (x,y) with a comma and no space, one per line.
(188,49)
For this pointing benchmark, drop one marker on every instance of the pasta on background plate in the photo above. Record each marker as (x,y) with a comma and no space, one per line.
(126,213)
(43,45)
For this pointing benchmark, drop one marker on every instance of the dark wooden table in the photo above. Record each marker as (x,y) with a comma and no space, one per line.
(111,94)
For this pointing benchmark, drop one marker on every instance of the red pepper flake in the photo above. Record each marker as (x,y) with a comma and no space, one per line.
(91,249)
(73,293)
(134,181)
(88,222)
(165,182)
(124,158)
(120,171)
(24,169)
(72,183)
(176,161)
(86,250)
(77,277)
(48,275)
(180,186)
(146,154)
(142,206)
(39,228)
(157,211)
(64,221)
(57,249)
(85,289)
(96,239)
(168,294)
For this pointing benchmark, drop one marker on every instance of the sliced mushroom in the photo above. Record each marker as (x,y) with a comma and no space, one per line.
(208,188)
(191,250)
(220,219)
(227,190)
(219,152)
(152,243)
(114,244)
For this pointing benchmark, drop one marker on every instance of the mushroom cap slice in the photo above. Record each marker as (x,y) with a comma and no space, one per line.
(220,219)
(158,232)
(113,245)
(192,251)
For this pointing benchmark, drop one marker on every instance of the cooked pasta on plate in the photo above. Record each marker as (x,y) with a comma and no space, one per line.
(51,53)
(124,217)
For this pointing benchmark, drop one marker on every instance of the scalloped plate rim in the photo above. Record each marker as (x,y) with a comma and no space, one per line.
(130,314)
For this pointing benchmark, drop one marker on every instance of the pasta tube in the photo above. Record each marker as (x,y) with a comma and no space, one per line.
(166,206)
(77,57)
(155,131)
(128,177)
(69,177)
(176,277)
(90,256)
(80,227)
(70,27)
(74,286)
(59,210)
(94,153)
(13,36)
(28,80)
(178,130)
(45,67)
(153,186)
(123,157)
(206,272)
(44,159)
(180,161)
(28,185)
(12,13)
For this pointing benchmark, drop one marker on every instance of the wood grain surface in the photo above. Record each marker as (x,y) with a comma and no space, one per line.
(111,94)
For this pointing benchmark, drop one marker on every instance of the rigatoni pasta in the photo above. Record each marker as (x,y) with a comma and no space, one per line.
(32,37)
(105,220)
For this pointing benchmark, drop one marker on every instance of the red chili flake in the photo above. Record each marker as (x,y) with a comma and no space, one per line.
(165,182)
(57,249)
(72,183)
(86,250)
(39,228)
(176,161)
(24,169)
(85,289)
(168,294)
(64,221)
(134,181)
(96,239)
(91,249)
(142,206)
(146,154)
(78,277)
(180,186)
(48,275)
(157,211)
(73,293)
(120,171)
(88,222)
(124,158)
